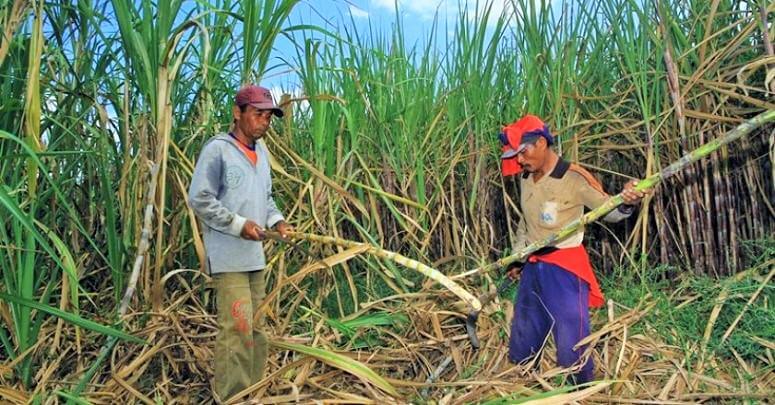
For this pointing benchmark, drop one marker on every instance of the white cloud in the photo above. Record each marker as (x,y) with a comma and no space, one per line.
(423,8)
(426,9)
(358,12)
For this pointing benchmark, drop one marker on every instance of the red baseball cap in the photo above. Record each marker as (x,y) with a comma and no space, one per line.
(521,133)
(257,96)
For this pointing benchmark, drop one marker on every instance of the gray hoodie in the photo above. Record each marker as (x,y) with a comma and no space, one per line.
(227,190)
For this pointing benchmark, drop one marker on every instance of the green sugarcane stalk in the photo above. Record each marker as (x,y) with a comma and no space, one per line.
(425,270)
(643,185)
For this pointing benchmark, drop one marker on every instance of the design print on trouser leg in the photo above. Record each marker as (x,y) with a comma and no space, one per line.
(240,311)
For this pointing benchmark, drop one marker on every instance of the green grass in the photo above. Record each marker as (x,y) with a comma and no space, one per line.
(685,327)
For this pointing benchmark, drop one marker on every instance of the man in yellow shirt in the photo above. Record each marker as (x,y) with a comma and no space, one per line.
(558,285)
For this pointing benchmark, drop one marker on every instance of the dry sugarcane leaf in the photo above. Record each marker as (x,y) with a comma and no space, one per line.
(336,360)
(15,396)
(570,397)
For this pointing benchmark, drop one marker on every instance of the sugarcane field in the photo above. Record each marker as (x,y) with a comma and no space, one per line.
(387,202)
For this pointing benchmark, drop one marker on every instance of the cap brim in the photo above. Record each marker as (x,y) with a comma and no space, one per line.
(266,106)
(509,154)
(513,152)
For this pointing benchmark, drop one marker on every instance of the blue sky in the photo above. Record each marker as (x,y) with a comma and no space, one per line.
(417,17)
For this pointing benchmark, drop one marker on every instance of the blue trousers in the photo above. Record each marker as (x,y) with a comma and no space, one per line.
(551,298)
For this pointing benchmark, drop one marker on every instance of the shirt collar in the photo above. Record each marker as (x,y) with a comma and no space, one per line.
(559,171)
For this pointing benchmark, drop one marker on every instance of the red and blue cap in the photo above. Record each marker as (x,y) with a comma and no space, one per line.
(516,137)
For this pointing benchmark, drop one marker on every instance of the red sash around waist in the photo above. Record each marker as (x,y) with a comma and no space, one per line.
(576,261)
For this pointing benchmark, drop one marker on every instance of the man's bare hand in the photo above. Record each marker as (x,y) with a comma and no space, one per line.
(283,228)
(513,272)
(632,197)
(252,231)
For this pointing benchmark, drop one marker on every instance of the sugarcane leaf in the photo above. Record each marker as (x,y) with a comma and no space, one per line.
(347,364)
(72,318)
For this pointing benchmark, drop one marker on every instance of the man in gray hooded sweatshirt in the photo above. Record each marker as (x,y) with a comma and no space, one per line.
(231,193)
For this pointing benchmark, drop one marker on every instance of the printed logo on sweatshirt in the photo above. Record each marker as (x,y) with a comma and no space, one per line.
(235,176)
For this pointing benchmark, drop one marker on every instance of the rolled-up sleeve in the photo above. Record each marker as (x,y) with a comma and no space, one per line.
(592,197)
(203,194)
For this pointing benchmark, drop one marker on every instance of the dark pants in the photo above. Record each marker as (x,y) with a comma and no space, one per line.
(550,298)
